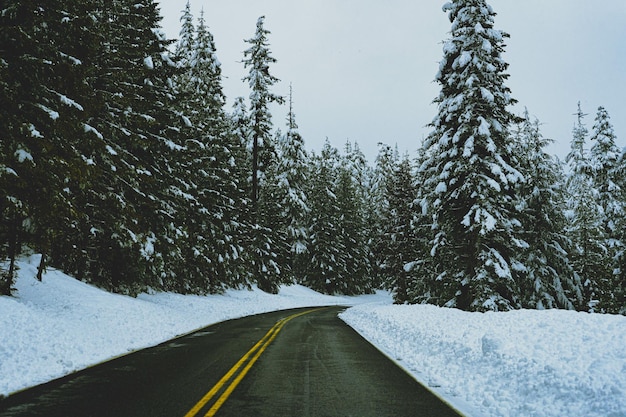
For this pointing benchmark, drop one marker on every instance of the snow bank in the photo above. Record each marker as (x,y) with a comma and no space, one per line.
(55,327)
(520,363)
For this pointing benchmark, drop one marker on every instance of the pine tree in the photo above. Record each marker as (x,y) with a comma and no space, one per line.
(132,206)
(549,280)
(400,231)
(43,158)
(382,182)
(605,168)
(257,59)
(472,172)
(211,242)
(325,248)
(186,39)
(585,219)
(424,268)
(353,266)
(292,199)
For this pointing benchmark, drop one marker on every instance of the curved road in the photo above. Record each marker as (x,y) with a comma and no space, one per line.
(304,362)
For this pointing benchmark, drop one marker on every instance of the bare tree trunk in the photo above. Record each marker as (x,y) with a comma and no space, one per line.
(42,266)
(6,279)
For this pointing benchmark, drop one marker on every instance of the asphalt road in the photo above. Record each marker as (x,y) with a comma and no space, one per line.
(304,362)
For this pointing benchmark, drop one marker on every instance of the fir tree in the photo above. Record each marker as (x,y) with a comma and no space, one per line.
(472,173)
(211,241)
(585,219)
(606,175)
(382,183)
(549,280)
(353,267)
(44,159)
(325,248)
(186,39)
(133,204)
(257,58)
(292,199)
(400,231)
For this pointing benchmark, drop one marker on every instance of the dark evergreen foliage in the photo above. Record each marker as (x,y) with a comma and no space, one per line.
(121,166)
(266,240)
(471,171)
(548,279)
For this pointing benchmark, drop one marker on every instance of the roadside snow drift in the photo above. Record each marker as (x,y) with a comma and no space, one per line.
(520,363)
(517,364)
(60,325)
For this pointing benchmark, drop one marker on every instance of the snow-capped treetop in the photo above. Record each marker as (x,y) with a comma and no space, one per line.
(258,58)
(577,158)
(185,42)
(604,152)
(607,171)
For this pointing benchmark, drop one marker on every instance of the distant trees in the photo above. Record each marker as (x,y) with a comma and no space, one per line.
(548,279)
(338,259)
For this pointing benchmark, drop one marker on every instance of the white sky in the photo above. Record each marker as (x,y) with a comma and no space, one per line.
(363,70)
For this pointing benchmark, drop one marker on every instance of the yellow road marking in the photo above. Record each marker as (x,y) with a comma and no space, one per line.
(259,348)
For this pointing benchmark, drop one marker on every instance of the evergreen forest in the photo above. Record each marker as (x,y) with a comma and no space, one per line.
(122,165)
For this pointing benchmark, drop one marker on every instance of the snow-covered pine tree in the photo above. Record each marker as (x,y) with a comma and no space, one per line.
(208,175)
(382,180)
(133,203)
(44,157)
(549,281)
(399,230)
(606,174)
(585,219)
(257,58)
(422,269)
(241,128)
(325,249)
(353,267)
(186,38)
(291,171)
(471,171)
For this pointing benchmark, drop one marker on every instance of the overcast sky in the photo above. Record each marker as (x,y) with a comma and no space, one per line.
(363,70)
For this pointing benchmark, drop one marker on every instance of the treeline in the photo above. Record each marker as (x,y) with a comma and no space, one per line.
(121,165)
(495,223)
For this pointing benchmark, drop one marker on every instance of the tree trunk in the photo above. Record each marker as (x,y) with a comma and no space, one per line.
(42,266)
(6,281)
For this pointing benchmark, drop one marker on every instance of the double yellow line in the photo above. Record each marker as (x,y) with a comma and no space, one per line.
(248,359)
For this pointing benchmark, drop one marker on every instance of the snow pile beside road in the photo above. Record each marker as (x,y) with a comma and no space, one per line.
(52,328)
(520,363)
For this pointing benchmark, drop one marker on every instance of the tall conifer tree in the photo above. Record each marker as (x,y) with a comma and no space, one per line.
(607,181)
(472,172)
(292,179)
(548,281)
(585,221)
(257,59)
(44,155)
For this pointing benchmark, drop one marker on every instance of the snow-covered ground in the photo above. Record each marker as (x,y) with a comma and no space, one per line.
(60,325)
(522,363)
